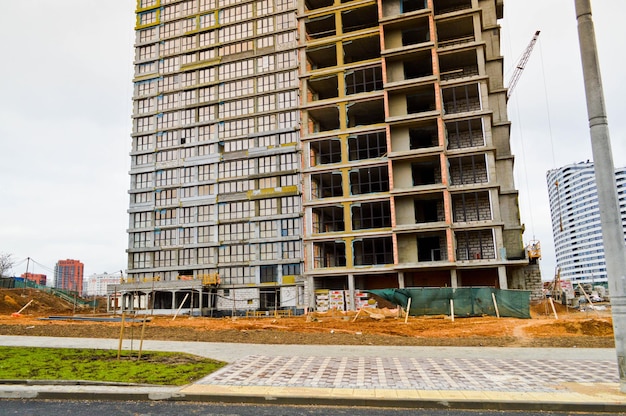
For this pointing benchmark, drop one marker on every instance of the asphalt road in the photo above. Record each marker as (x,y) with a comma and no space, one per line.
(156,408)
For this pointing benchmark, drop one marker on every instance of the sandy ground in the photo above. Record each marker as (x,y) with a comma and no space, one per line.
(572,328)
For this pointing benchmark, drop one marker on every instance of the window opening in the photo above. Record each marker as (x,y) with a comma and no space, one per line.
(429,210)
(429,248)
(268,273)
(329,254)
(373,251)
(426,173)
(421,101)
(371,215)
(463,98)
(475,245)
(326,185)
(468,170)
(423,137)
(369,180)
(328,219)
(364,80)
(418,67)
(415,35)
(473,206)
(408,6)
(465,133)
(324,152)
(367,146)
(291,269)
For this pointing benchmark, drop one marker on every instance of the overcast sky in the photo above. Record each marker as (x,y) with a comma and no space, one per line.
(65,107)
(548,110)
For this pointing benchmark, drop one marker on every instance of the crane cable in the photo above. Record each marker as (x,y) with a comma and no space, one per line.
(517,71)
(545,90)
(513,81)
(521,134)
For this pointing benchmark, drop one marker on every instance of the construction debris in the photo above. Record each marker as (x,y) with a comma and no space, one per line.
(19,313)
(372,313)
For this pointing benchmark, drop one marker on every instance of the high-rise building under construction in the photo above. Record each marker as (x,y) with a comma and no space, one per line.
(282,147)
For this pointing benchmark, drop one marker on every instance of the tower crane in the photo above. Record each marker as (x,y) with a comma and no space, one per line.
(533,250)
(521,64)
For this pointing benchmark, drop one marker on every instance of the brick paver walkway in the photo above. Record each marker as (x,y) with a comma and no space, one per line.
(412,373)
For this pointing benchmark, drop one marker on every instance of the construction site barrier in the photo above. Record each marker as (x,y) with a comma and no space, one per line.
(467,301)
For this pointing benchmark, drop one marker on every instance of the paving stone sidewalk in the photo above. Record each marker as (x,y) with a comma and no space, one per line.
(412,373)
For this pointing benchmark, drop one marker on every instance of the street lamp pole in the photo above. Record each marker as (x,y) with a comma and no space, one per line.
(612,229)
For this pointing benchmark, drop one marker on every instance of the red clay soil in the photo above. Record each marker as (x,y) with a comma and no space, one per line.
(571,329)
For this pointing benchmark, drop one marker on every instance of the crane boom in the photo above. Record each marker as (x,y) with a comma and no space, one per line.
(521,64)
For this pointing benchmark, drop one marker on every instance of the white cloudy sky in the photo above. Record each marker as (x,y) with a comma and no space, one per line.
(65,105)
(548,108)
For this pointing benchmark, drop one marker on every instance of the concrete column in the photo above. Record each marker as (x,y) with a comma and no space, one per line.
(310,292)
(351,291)
(145,303)
(612,230)
(502,277)
(401,280)
(454,280)
(174,307)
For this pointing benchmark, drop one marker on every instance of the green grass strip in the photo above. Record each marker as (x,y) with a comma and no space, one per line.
(161,368)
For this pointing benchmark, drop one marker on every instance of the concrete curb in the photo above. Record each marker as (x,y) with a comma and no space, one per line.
(173,394)
(448,404)
(71,383)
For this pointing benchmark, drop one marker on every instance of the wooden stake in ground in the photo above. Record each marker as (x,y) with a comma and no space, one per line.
(357,315)
(143,331)
(495,304)
(119,347)
(15,314)
(586,296)
(181,306)
(452,309)
(553,308)
(408,310)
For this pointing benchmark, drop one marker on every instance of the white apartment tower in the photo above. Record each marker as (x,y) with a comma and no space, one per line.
(289,146)
(576,221)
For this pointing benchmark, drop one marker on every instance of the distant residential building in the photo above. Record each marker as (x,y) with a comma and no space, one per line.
(96,284)
(576,221)
(40,279)
(68,275)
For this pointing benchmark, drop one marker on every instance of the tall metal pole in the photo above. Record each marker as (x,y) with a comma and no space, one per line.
(612,230)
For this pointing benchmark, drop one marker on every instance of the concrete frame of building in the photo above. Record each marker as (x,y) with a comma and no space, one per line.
(393,168)
(425,117)
(185,297)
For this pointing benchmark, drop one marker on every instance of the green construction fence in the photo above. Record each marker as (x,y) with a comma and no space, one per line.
(467,301)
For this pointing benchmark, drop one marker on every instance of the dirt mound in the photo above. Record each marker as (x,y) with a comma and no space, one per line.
(544,308)
(12,300)
(595,327)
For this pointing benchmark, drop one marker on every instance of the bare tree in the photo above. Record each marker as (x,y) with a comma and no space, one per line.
(6,264)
